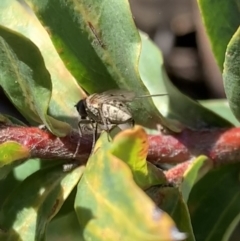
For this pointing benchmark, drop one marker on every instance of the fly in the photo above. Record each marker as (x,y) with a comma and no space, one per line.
(108,109)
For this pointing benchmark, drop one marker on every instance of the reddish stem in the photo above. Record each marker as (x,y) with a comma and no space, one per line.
(43,144)
(175,174)
(220,145)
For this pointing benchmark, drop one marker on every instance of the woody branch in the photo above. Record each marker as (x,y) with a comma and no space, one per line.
(220,145)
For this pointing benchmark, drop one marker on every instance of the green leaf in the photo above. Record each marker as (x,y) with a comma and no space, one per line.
(26,81)
(76,28)
(221,107)
(198,168)
(131,146)
(231,73)
(234,224)
(64,228)
(7,119)
(109,204)
(39,197)
(65,91)
(175,105)
(99,58)
(4,119)
(214,202)
(11,151)
(221,20)
(17,172)
(170,200)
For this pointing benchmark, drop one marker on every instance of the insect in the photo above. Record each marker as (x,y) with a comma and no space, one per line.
(108,109)
(96,35)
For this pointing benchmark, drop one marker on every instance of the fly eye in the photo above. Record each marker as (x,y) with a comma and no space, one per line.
(81,108)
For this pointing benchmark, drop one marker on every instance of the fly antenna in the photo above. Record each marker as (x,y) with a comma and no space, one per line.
(144,96)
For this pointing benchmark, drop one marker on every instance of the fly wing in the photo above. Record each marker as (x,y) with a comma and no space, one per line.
(120,95)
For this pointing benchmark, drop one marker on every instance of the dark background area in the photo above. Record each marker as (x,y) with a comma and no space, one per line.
(176,27)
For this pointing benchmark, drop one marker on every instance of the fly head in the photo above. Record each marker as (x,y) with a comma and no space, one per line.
(81,108)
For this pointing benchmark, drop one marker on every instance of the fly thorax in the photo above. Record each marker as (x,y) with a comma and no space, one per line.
(92,110)
(116,112)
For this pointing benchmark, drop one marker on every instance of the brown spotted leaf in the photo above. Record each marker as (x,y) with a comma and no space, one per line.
(110,205)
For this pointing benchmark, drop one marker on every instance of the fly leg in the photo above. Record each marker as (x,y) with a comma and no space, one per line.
(95,133)
(82,121)
(133,122)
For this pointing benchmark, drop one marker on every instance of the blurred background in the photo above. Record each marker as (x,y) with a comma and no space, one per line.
(176,27)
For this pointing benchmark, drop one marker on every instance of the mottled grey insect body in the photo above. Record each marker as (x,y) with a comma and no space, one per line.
(107,114)
(107,109)
(111,112)
(116,112)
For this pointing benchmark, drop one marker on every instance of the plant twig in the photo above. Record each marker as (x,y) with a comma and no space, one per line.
(43,144)
(222,146)
(175,174)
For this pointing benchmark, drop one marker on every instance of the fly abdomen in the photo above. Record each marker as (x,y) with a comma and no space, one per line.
(116,112)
